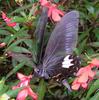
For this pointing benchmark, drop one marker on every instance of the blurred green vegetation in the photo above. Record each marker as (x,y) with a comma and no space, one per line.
(20,40)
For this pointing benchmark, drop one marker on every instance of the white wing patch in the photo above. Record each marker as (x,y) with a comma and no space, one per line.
(67,62)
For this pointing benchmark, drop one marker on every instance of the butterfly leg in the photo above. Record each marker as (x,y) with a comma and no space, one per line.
(66,84)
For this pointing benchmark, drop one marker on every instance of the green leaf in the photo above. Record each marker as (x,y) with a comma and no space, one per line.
(7,39)
(4,32)
(11,39)
(96,31)
(13,93)
(94,44)
(41,90)
(92,89)
(95,97)
(89,51)
(17,27)
(32,47)
(19,19)
(15,69)
(29,43)
(91,9)
(22,8)
(82,46)
(56,1)
(96,55)
(20,49)
(3,87)
(14,44)
(23,14)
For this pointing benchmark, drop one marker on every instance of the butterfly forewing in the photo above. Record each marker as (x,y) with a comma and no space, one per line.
(63,39)
(64,36)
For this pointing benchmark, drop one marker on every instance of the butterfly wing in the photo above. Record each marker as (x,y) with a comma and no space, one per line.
(62,42)
(64,36)
(39,32)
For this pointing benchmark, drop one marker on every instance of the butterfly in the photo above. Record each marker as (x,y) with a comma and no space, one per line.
(59,61)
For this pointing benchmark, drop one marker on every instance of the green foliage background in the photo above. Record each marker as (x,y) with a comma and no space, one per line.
(21,41)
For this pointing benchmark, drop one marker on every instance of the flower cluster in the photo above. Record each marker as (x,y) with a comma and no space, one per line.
(25,83)
(8,20)
(53,12)
(85,75)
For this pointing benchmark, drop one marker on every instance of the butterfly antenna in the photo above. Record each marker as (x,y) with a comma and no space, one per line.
(39,32)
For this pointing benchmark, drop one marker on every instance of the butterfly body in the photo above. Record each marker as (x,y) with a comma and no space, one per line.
(57,71)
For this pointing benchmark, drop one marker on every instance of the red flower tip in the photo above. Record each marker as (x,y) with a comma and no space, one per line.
(95,62)
(23,77)
(25,92)
(44,2)
(8,20)
(2,44)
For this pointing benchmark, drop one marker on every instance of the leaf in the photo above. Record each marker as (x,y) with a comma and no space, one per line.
(92,89)
(41,90)
(7,39)
(29,43)
(89,51)
(23,58)
(17,27)
(19,19)
(91,9)
(4,32)
(96,55)
(22,8)
(56,1)
(3,87)
(14,44)
(96,31)
(13,93)
(94,44)
(82,46)
(32,47)
(20,49)
(11,39)
(15,69)
(95,97)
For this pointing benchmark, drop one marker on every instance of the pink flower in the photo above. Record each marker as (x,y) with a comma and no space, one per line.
(85,75)
(25,83)
(25,92)
(53,12)
(95,62)
(8,20)
(2,44)
(76,84)
(44,2)
(25,80)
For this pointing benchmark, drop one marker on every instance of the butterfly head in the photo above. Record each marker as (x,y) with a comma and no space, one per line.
(41,73)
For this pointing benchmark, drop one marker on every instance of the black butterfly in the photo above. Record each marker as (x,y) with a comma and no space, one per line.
(59,60)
